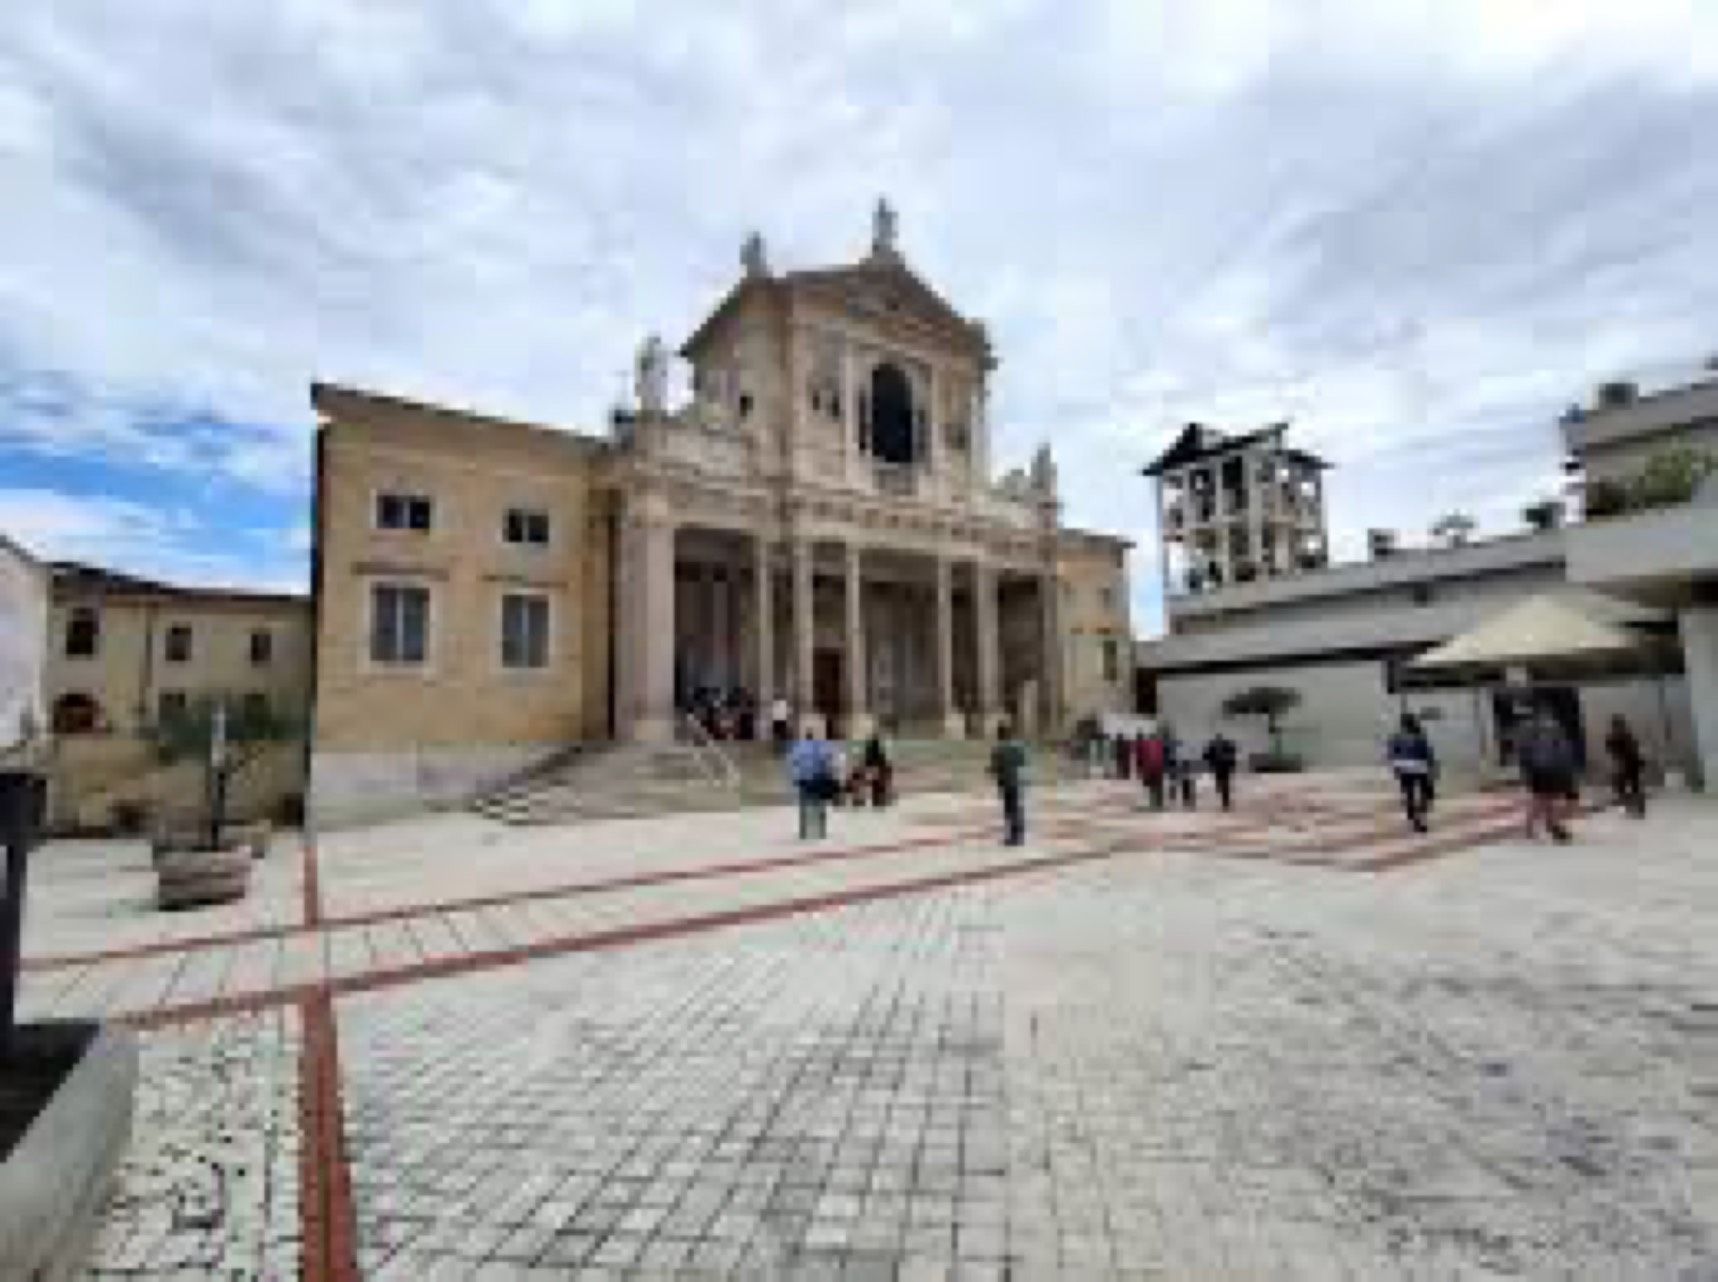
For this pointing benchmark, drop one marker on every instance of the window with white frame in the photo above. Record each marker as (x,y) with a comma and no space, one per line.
(396,510)
(399,624)
(526,526)
(524,630)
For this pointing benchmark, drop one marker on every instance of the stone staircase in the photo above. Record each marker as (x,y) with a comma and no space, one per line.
(629,780)
(612,781)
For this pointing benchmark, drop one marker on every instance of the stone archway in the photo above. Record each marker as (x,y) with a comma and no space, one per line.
(891,415)
(76,713)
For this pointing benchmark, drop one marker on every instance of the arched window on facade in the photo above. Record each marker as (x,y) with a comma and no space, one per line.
(76,713)
(893,431)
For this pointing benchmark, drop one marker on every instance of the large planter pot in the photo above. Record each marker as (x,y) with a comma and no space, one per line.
(192,878)
(66,1107)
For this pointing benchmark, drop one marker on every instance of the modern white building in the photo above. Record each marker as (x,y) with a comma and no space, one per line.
(1649,468)
(1342,636)
(24,584)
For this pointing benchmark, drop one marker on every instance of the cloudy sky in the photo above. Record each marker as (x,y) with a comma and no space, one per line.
(1417,229)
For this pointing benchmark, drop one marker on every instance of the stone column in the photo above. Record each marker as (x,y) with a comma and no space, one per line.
(933,429)
(763,607)
(1050,650)
(989,659)
(855,461)
(943,615)
(803,633)
(858,711)
(653,719)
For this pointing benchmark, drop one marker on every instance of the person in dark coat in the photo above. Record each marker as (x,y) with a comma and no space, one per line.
(879,773)
(1220,758)
(1548,768)
(1008,768)
(1123,749)
(1628,767)
(1414,765)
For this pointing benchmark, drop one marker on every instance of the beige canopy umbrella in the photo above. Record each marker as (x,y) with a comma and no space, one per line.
(1542,629)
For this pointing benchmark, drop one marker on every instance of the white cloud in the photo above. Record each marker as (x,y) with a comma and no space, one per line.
(1411,227)
(172,545)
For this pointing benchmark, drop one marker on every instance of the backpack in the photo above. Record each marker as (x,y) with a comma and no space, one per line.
(1151,756)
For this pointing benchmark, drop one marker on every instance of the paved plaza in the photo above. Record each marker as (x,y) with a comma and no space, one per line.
(1289,1042)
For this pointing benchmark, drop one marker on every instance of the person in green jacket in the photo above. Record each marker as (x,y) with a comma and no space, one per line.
(1008,768)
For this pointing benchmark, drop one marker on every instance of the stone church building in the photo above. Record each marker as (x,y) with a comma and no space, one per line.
(819,523)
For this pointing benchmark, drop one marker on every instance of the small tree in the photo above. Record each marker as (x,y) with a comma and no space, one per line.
(1269,702)
(226,738)
(1454,530)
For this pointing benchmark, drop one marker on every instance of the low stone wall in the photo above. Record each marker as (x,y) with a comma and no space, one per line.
(54,1183)
(363,787)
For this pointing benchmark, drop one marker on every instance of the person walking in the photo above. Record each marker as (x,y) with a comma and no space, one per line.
(1123,757)
(811,767)
(1220,757)
(1414,765)
(1008,768)
(1628,767)
(878,771)
(1149,749)
(780,716)
(1548,769)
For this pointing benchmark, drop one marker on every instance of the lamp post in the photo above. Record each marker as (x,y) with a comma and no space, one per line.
(22,797)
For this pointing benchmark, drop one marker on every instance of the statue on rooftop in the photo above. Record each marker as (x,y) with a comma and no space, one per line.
(885,230)
(652,376)
(752,256)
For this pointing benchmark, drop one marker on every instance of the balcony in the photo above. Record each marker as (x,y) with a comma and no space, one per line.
(897,480)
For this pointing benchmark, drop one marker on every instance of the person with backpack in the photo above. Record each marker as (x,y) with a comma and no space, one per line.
(1548,768)
(1008,768)
(1413,763)
(1151,760)
(1220,758)
(812,768)
(1628,767)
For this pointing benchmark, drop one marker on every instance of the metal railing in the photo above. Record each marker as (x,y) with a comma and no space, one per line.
(717,766)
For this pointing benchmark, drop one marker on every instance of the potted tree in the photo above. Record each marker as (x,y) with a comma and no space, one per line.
(206,859)
(1271,703)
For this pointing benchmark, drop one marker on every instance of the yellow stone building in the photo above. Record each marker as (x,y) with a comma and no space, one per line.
(818,525)
(124,652)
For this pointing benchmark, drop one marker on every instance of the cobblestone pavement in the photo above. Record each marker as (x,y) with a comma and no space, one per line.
(210,1186)
(1291,1042)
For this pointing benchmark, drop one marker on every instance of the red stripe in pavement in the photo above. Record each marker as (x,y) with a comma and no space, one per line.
(316,918)
(444,967)
(327,1223)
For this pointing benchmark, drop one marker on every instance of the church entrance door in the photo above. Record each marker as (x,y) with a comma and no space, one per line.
(826,677)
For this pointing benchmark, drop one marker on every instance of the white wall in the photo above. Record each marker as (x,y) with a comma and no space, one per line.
(1699,627)
(1346,713)
(23,640)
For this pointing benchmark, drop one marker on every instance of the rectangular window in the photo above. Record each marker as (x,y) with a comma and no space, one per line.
(179,643)
(172,706)
(524,630)
(83,633)
(404,512)
(262,647)
(526,526)
(399,623)
(1111,664)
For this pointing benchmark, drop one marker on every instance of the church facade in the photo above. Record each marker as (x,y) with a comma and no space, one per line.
(820,523)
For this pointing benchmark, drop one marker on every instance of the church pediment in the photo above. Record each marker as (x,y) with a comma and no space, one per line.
(888,293)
